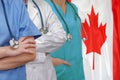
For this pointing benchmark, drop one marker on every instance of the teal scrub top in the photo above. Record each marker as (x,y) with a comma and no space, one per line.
(71,51)
(21,26)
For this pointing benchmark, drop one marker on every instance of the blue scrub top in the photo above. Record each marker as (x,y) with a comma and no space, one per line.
(21,25)
(71,51)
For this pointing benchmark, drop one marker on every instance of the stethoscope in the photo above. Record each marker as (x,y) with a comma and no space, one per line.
(13,42)
(43,29)
(69,36)
(86,36)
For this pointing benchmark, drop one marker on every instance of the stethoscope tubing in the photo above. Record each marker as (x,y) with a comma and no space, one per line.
(68,31)
(6,18)
(40,13)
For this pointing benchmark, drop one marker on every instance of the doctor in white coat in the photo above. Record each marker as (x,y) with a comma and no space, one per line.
(52,38)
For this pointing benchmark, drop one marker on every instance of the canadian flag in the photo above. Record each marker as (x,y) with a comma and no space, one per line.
(101,38)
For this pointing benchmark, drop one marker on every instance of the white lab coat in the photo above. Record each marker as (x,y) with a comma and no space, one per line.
(42,68)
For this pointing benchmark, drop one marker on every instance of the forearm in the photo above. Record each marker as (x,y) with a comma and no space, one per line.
(55,37)
(4,51)
(17,57)
(50,43)
(53,40)
(16,61)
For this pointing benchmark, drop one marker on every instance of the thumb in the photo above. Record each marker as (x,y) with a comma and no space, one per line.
(22,39)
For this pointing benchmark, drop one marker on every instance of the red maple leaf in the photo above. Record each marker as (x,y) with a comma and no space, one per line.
(93,34)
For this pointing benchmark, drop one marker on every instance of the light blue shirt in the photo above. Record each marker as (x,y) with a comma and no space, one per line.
(20,25)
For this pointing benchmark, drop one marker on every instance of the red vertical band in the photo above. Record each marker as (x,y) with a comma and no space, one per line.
(116,39)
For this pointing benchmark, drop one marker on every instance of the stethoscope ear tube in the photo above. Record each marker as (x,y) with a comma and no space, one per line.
(13,43)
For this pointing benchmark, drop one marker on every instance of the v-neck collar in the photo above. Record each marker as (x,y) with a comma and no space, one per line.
(61,11)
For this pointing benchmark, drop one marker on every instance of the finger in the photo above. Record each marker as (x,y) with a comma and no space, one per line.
(29,41)
(22,39)
(28,51)
(66,63)
(26,46)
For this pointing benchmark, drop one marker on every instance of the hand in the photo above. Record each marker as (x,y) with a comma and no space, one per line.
(57,62)
(24,44)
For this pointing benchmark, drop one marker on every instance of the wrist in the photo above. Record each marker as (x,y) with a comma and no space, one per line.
(10,51)
(6,51)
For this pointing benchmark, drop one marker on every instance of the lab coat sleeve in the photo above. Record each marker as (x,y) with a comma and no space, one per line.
(55,37)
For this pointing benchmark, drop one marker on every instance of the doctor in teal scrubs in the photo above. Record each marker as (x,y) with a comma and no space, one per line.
(71,51)
(17,45)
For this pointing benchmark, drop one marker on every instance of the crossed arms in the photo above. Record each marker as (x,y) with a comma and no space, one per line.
(11,58)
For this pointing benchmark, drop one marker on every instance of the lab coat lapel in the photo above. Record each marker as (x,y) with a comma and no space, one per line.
(32,9)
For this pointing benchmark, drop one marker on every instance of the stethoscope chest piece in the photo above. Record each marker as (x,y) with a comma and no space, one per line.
(69,36)
(43,30)
(14,43)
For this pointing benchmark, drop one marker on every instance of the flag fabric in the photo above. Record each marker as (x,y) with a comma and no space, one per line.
(101,38)
(116,39)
